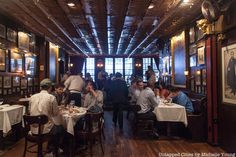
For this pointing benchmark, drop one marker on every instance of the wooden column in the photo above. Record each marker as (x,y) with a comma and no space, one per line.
(212,89)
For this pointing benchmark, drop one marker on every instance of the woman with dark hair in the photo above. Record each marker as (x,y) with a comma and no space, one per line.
(94,98)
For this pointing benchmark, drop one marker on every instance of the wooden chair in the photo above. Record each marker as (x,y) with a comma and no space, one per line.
(37,139)
(93,128)
(143,124)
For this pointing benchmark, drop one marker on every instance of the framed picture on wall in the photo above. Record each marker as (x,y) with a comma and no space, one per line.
(2,31)
(16,62)
(191,35)
(193,61)
(23,83)
(30,65)
(192,49)
(30,81)
(11,35)
(200,56)
(16,81)
(7,81)
(2,60)
(0,81)
(229,74)
(203,76)
(23,41)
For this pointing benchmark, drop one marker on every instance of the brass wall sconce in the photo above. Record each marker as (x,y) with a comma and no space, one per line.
(138,65)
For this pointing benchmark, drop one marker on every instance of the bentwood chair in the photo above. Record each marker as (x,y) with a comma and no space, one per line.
(37,139)
(93,128)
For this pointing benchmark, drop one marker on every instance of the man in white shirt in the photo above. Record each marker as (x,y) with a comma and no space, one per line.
(148,100)
(75,85)
(46,104)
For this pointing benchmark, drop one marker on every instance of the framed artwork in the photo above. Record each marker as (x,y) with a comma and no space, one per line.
(192,49)
(30,81)
(9,91)
(200,56)
(203,76)
(18,89)
(23,41)
(2,60)
(200,34)
(5,92)
(0,81)
(2,31)
(30,65)
(229,74)
(7,81)
(11,35)
(198,78)
(191,35)
(193,61)
(192,82)
(178,60)
(23,83)
(16,62)
(16,81)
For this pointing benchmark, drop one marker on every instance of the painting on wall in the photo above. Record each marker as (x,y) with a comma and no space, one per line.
(178,60)
(16,81)
(191,35)
(23,41)
(30,65)
(193,61)
(192,49)
(2,31)
(229,74)
(23,83)
(11,35)
(7,81)
(200,56)
(2,60)
(16,62)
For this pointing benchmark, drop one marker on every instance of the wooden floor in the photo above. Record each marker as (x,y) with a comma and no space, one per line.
(123,144)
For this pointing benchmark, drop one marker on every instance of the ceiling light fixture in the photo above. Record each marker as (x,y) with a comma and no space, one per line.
(151,6)
(186,1)
(70,4)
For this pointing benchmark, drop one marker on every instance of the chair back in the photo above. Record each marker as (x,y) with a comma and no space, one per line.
(35,121)
(93,122)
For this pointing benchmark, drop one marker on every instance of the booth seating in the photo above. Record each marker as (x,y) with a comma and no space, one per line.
(197,122)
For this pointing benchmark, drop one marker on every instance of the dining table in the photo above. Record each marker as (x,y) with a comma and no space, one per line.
(10,115)
(170,112)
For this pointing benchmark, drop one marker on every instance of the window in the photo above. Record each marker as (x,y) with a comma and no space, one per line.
(128,68)
(119,65)
(83,70)
(146,63)
(154,67)
(109,65)
(90,67)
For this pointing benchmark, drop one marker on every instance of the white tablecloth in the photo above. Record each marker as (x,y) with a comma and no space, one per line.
(171,113)
(69,119)
(10,115)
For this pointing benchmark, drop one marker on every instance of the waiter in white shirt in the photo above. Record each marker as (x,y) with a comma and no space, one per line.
(75,85)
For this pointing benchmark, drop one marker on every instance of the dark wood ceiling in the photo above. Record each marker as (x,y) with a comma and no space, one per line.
(103,27)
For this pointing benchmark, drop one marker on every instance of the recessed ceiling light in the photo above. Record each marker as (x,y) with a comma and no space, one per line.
(151,6)
(70,4)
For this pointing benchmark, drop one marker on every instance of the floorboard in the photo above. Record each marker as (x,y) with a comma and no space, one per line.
(123,144)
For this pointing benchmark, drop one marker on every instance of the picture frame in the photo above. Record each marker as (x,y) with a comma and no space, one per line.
(23,41)
(2,31)
(16,81)
(11,35)
(228,74)
(7,82)
(201,55)
(203,76)
(2,60)
(30,65)
(23,83)
(1,82)
(192,35)
(30,81)
(192,49)
(16,62)
(193,61)
(198,79)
